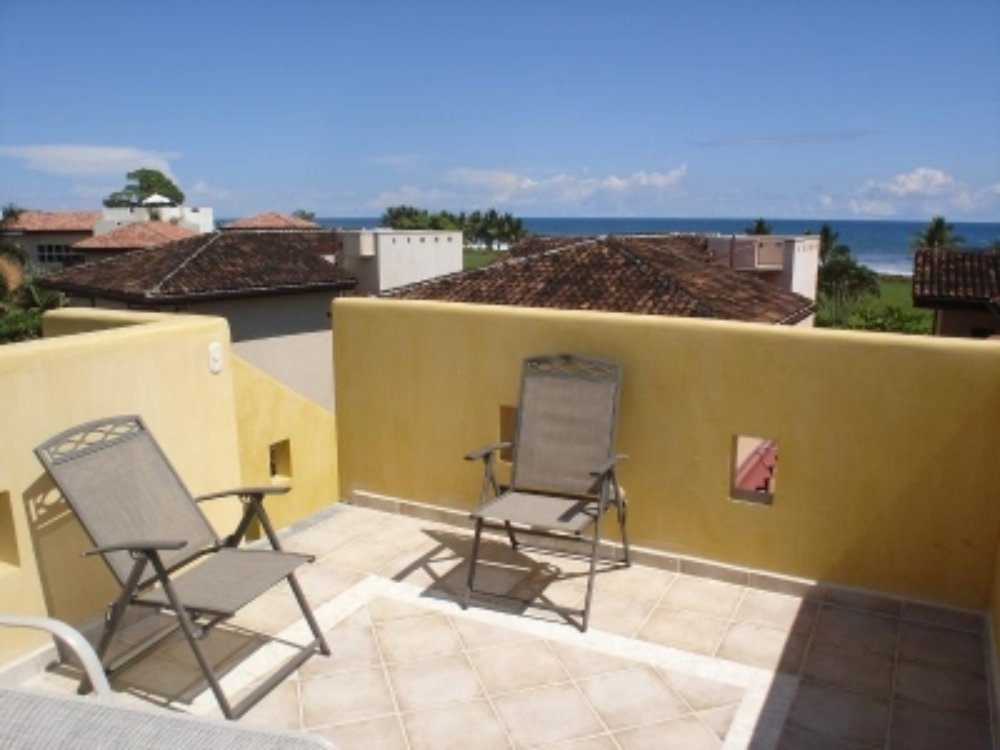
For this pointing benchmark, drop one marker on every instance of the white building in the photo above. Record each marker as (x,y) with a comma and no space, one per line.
(383,259)
(791,262)
(198,219)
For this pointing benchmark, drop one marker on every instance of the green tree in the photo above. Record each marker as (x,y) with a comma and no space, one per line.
(301,213)
(142,184)
(829,248)
(843,285)
(938,233)
(758,227)
(10,212)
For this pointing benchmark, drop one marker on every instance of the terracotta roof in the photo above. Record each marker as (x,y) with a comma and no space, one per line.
(641,275)
(961,278)
(136,236)
(211,266)
(52,221)
(271,220)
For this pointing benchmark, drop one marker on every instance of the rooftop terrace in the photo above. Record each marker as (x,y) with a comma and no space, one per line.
(855,609)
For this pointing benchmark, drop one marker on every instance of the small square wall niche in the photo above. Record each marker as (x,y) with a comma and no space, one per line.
(753,469)
(280,455)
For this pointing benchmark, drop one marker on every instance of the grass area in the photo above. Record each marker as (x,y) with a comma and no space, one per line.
(892,310)
(477,258)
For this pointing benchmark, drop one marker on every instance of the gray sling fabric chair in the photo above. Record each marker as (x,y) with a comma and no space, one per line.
(147,527)
(563,474)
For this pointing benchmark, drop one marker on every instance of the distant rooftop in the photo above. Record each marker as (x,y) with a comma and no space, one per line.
(271,220)
(136,236)
(211,266)
(52,221)
(646,275)
(960,278)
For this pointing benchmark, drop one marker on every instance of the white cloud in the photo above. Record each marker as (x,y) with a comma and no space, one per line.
(82,160)
(919,181)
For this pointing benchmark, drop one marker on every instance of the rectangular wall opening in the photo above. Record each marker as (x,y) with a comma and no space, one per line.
(508,425)
(280,455)
(8,537)
(753,469)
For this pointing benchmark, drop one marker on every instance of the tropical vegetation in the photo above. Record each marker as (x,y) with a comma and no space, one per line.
(939,234)
(488,228)
(142,184)
(759,226)
(22,302)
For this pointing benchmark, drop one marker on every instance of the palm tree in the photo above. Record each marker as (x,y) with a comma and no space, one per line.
(843,283)
(828,247)
(939,233)
(758,227)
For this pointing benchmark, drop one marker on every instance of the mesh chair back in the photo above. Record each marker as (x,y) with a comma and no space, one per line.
(565,424)
(122,488)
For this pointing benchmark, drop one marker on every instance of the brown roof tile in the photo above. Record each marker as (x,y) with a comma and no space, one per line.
(271,220)
(136,236)
(52,221)
(641,275)
(211,266)
(943,278)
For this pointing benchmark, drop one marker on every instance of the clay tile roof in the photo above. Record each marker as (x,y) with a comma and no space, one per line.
(961,278)
(271,220)
(211,266)
(640,275)
(137,236)
(52,221)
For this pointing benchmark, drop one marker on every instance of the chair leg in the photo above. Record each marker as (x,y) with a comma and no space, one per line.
(510,534)
(590,577)
(308,614)
(472,564)
(622,520)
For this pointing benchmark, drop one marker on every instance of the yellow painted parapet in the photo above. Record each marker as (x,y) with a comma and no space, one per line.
(285,438)
(889,446)
(158,366)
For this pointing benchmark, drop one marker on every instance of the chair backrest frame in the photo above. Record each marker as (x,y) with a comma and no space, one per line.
(122,488)
(566,423)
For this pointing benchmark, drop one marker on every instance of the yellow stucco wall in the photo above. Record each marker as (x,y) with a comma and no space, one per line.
(269,413)
(156,366)
(889,470)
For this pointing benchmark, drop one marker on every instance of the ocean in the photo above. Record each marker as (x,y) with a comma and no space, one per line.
(883,246)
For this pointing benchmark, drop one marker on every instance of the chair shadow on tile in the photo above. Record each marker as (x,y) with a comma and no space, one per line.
(522,581)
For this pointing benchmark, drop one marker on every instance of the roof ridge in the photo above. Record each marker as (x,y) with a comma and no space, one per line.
(183,264)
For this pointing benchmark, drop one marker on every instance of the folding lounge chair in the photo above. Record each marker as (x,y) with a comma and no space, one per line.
(147,527)
(563,473)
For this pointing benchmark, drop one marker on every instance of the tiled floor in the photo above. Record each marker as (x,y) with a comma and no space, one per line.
(671,660)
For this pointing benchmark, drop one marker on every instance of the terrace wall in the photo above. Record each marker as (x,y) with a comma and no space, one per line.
(889,446)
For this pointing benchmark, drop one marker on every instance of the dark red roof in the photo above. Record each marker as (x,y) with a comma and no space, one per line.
(52,221)
(641,275)
(956,278)
(271,220)
(212,266)
(135,236)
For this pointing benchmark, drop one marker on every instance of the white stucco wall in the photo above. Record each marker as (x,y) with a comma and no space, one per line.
(382,259)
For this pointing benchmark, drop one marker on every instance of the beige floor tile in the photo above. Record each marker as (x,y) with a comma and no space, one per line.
(585,662)
(851,668)
(415,638)
(638,582)
(942,647)
(777,611)
(918,727)
(383,609)
(325,579)
(280,709)
(460,726)
(345,697)
(270,613)
(943,689)
(546,715)
(686,733)
(597,742)
(800,738)
(351,647)
(864,601)
(840,715)
(477,635)
(429,683)
(384,733)
(691,631)
(720,719)
(847,627)
(516,666)
(365,554)
(617,613)
(632,697)
(703,595)
(702,693)
(764,647)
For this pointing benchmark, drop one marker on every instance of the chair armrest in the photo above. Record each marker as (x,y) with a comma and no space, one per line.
(145,545)
(73,640)
(279,489)
(607,466)
(486,450)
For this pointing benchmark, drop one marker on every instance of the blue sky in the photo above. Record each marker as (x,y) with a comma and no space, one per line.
(704,109)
